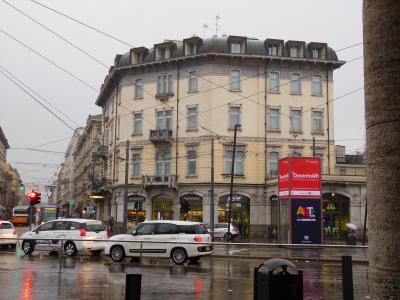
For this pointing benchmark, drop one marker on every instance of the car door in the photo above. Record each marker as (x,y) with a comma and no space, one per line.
(60,231)
(137,245)
(166,237)
(44,236)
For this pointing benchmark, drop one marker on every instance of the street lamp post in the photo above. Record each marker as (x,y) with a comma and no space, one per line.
(231,191)
(125,214)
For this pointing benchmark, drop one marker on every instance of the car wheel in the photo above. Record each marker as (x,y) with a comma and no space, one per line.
(194,259)
(70,249)
(95,252)
(28,247)
(117,253)
(179,256)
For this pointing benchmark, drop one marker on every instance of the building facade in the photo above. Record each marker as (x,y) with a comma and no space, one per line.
(170,102)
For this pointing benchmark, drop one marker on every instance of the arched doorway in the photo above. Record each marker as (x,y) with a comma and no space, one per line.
(336,214)
(162,208)
(195,208)
(240,212)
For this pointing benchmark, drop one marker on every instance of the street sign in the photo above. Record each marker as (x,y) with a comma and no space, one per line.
(71,202)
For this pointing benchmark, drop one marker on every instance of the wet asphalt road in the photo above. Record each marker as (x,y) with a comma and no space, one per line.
(40,276)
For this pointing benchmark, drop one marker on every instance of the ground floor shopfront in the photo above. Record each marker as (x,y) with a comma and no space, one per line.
(254,209)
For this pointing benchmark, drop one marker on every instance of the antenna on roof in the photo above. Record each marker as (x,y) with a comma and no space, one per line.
(205,27)
(217,18)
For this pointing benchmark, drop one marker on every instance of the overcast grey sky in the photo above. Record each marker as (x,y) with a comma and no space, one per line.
(140,23)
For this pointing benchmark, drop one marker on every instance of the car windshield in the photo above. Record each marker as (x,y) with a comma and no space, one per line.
(5,226)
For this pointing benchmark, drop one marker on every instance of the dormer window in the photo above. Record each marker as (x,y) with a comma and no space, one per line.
(138,55)
(191,45)
(237,44)
(273,50)
(294,52)
(316,53)
(164,50)
(165,53)
(192,49)
(235,48)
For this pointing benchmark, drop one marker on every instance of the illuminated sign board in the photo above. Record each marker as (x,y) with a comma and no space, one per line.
(306,221)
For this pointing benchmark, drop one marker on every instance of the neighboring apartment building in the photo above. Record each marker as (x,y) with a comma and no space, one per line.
(64,190)
(85,170)
(170,101)
(10,182)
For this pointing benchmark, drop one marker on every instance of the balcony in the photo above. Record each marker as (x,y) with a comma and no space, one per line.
(163,96)
(161,135)
(165,180)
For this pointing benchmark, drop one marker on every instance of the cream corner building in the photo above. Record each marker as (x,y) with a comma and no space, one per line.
(172,100)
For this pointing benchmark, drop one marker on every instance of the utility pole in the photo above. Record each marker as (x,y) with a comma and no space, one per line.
(212,191)
(125,214)
(313,146)
(232,175)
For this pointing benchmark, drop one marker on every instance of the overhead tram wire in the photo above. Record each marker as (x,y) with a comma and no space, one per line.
(50,61)
(12,80)
(98,61)
(91,27)
(82,23)
(55,33)
(38,95)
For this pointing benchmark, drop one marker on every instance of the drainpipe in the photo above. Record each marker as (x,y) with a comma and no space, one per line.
(327,111)
(177,120)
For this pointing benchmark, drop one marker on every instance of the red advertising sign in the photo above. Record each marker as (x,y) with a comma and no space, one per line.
(299,177)
(283,178)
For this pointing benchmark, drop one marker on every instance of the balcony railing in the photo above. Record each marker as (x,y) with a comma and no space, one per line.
(160,135)
(164,180)
(163,96)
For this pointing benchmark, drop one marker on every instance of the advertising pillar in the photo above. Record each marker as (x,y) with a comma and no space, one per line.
(299,185)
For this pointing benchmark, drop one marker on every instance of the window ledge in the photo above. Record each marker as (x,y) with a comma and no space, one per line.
(233,129)
(138,98)
(272,92)
(235,175)
(136,177)
(235,91)
(274,130)
(296,94)
(296,132)
(191,176)
(317,95)
(192,129)
(137,134)
(192,92)
(318,132)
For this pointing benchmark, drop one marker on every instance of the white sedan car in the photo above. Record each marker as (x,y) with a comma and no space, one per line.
(162,239)
(7,230)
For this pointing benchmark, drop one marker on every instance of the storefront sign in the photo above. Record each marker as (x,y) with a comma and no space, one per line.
(306,221)
(139,198)
(235,199)
(330,206)
(191,197)
(299,177)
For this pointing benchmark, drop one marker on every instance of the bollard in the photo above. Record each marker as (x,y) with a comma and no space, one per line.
(347,278)
(133,283)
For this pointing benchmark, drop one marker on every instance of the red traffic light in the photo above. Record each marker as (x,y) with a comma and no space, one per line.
(34,197)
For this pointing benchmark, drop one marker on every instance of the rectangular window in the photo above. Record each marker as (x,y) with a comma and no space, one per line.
(316,54)
(317,122)
(272,50)
(273,163)
(234,80)
(192,49)
(295,83)
(191,162)
(316,85)
(136,164)
(274,82)
(273,119)
(239,161)
(294,52)
(235,48)
(137,123)
(193,81)
(165,53)
(192,117)
(164,119)
(163,163)
(139,88)
(116,168)
(234,116)
(165,84)
(296,152)
(296,120)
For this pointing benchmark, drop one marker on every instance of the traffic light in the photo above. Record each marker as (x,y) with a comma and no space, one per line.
(185,207)
(138,206)
(21,186)
(34,197)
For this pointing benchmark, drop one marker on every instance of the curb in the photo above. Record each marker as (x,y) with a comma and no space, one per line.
(301,259)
